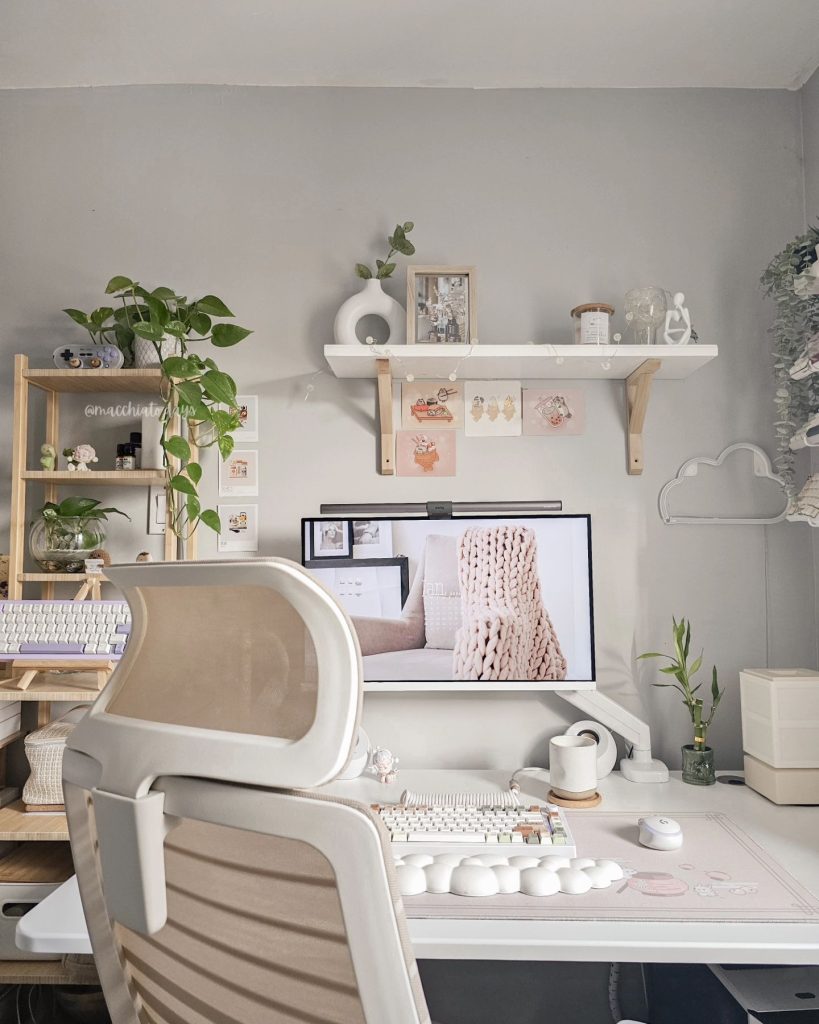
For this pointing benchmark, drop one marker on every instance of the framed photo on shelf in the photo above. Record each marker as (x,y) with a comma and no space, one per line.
(441,306)
(330,538)
(372,538)
(240,528)
(377,587)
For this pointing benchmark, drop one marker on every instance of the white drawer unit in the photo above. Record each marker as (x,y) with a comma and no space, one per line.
(780,716)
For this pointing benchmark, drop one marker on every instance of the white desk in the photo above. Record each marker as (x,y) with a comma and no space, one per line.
(791,834)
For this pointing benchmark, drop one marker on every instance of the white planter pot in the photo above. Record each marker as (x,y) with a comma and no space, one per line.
(372,300)
(145,354)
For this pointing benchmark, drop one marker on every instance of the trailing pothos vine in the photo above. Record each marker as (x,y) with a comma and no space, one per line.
(194,389)
(791,281)
(197,391)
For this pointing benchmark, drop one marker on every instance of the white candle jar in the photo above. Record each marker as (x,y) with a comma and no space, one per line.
(591,323)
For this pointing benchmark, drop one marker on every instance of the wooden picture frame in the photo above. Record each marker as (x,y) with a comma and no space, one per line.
(460,329)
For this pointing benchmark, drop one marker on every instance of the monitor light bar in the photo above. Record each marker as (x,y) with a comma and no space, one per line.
(444,509)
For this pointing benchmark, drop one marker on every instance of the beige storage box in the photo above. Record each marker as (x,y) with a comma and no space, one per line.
(782,785)
(780,716)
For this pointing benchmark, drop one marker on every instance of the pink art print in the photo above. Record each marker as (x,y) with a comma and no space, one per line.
(425,453)
(558,411)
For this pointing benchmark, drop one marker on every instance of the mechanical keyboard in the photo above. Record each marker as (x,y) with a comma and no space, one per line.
(476,823)
(42,630)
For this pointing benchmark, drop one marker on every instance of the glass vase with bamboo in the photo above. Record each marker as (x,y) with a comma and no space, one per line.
(698,757)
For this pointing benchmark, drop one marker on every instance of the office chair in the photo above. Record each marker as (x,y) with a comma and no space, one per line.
(215,889)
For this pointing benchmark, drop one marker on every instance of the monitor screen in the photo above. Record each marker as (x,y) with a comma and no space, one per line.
(490,598)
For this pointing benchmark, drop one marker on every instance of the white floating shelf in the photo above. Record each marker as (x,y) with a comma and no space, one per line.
(518,362)
(456,686)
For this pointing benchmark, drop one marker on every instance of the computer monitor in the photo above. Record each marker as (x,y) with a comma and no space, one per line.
(505,599)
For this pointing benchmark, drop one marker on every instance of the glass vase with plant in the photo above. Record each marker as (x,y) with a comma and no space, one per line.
(195,391)
(698,757)
(64,534)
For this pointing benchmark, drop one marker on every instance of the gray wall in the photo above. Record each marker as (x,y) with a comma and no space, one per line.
(268,197)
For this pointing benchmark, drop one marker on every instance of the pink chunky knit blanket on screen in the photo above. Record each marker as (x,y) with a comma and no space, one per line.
(506,632)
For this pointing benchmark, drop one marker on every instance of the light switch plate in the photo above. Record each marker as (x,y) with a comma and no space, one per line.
(157,510)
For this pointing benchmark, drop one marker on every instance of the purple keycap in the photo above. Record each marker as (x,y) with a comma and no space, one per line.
(51,648)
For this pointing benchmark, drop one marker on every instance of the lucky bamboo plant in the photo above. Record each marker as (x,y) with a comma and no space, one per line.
(684,674)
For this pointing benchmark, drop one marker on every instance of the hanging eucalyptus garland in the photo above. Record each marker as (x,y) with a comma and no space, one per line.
(792,281)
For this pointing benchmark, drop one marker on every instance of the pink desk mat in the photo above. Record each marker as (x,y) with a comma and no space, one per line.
(720,874)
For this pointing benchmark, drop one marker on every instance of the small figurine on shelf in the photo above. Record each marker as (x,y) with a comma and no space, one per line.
(101,555)
(678,330)
(48,457)
(79,457)
(384,765)
(144,556)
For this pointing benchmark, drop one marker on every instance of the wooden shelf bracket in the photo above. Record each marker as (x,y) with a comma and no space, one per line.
(638,390)
(387,453)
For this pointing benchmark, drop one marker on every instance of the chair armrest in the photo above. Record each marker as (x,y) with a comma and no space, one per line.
(377,636)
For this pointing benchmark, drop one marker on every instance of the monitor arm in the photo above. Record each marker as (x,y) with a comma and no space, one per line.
(641,766)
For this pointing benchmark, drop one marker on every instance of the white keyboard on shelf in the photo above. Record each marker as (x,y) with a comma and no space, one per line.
(46,630)
(475,823)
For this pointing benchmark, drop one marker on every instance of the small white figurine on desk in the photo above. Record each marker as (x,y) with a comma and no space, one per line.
(79,456)
(384,765)
(679,315)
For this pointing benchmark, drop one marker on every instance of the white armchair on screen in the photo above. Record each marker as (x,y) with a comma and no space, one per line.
(214,887)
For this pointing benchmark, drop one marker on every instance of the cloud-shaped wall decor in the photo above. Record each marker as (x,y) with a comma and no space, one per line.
(761,467)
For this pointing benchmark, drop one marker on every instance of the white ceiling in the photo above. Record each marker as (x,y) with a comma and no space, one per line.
(749,44)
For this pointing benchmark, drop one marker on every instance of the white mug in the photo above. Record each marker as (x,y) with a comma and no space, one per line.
(573,766)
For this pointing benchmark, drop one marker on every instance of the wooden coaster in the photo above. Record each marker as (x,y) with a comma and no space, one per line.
(44,808)
(561,801)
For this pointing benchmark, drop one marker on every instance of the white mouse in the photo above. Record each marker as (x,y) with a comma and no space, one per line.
(659,833)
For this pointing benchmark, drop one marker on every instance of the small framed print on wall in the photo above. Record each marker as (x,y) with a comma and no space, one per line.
(240,528)
(239,474)
(441,306)
(248,418)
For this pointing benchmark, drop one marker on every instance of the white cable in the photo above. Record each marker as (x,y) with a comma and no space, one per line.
(514,785)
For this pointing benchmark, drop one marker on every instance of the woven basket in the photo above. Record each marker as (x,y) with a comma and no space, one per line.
(44,750)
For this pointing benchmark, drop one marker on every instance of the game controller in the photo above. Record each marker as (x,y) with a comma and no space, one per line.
(89,357)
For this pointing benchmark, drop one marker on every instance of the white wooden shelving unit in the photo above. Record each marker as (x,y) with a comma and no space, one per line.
(636,365)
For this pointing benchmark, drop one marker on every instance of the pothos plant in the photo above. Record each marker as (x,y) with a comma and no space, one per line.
(684,673)
(791,281)
(398,243)
(194,389)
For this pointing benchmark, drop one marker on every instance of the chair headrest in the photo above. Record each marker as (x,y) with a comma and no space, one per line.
(242,671)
